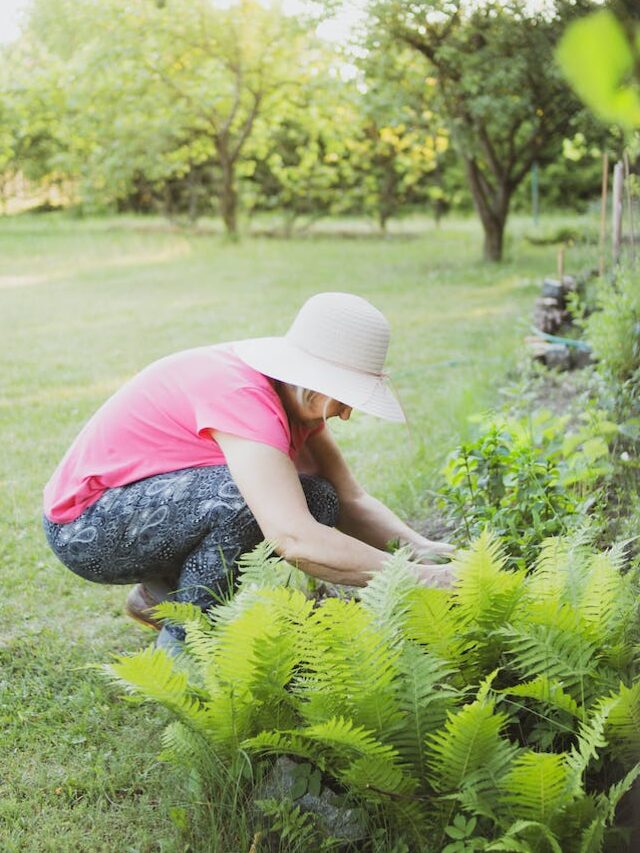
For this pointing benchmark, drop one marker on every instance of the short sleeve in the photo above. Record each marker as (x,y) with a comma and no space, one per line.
(249,412)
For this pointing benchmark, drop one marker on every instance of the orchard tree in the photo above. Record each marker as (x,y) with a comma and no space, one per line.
(162,87)
(497,87)
(402,143)
(300,158)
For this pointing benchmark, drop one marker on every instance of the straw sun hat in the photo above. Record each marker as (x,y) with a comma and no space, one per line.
(336,345)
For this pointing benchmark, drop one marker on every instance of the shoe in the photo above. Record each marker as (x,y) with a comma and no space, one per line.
(139,604)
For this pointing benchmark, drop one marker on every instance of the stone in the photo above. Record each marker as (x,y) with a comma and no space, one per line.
(558,357)
(553,288)
(333,817)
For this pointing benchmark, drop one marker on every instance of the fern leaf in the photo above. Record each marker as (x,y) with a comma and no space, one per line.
(347,740)
(485,591)
(261,569)
(608,603)
(531,828)
(154,675)
(469,750)
(561,655)
(592,836)
(350,668)
(284,743)
(376,777)
(617,791)
(380,780)
(434,622)
(590,741)
(548,691)
(623,724)
(424,699)
(387,595)
(181,613)
(537,786)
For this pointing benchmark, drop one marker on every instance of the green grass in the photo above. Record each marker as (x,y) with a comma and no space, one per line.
(85,304)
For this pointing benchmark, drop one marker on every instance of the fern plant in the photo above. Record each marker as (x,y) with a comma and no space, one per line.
(507,709)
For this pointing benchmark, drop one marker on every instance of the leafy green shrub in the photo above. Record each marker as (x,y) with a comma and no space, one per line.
(613,330)
(526,479)
(562,234)
(502,715)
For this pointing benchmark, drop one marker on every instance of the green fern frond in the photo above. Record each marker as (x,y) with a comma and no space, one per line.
(623,724)
(387,595)
(485,592)
(284,743)
(200,642)
(469,750)
(548,691)
(347,741)
(424,699)
(376,777)
(559,559)
(537,786)
(592,837)
(617,791)
(154,675)
(180,613)
(381,780)
(560,655)
(591,740)
(262,569)
(186,748)
(350,667)
(434,622)
(608,603)
(528,829)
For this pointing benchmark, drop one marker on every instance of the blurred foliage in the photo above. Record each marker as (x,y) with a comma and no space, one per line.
(600,55)
(188,108)
(496,86)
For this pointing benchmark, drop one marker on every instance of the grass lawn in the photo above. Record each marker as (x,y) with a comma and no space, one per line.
(84,305)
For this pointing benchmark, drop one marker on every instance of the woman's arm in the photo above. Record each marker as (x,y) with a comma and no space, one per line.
(269,482)
(361,515)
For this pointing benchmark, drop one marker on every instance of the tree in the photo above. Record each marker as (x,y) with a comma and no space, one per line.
(402,144)
(160,88)
(498,89)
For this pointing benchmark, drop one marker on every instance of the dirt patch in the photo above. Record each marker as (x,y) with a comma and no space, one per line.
(21,280)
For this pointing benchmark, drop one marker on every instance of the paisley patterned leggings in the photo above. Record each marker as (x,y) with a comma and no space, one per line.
(181,532)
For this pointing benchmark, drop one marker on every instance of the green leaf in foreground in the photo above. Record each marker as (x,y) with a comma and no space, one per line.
(598,59)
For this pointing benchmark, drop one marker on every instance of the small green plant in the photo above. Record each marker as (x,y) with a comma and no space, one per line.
(526,479)
(613,330)
(501,715)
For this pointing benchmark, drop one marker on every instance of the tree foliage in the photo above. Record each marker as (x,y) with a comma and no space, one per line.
(504,100)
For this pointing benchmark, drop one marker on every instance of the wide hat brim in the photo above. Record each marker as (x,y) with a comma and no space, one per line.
(278,358)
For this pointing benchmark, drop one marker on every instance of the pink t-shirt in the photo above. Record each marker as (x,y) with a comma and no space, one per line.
(159,422)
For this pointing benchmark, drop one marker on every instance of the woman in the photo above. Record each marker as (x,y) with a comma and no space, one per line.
(209,451)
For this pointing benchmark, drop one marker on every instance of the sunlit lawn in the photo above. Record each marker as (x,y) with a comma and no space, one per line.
(83,305)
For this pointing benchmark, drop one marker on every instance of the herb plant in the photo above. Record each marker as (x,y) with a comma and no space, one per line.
(526,479)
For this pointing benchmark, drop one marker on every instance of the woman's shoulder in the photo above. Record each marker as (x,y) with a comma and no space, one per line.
(198,367)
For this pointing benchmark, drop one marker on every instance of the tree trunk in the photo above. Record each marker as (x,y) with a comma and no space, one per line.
(229,198)
(493,239)
(492,204)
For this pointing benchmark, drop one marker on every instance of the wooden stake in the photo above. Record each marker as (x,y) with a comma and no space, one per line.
(603,210)
(627,185)
(616,237)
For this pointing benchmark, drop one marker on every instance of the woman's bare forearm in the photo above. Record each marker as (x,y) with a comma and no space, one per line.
(371,521)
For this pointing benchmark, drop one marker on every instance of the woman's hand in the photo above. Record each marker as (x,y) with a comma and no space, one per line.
(439,577)
(429,550)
